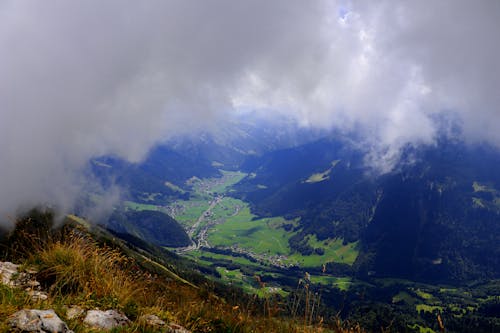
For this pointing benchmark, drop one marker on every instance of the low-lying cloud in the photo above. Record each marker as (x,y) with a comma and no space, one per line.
(82,79)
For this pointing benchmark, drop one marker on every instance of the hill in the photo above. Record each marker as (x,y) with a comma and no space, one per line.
(394,249)
(75,268)
(433,220)
(152,226)
(163,175)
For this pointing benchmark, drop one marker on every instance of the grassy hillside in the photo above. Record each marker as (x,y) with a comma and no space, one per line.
(314,213)
(434,219)
(150,225)
(97,270)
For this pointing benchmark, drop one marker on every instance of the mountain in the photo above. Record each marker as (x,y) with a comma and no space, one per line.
(438,219)
(232,141)
(435,219)
(162,175)
(385,249)
(169,168)
(314,182)
(152,226)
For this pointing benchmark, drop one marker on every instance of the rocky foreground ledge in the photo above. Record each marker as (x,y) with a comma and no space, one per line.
(48,321)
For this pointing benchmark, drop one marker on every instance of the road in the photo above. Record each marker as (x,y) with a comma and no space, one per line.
(200,239)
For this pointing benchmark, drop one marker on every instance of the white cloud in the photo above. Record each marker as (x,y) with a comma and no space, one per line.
(79,79)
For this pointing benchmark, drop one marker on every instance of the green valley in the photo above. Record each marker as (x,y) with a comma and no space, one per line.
(240,245)
(377,250)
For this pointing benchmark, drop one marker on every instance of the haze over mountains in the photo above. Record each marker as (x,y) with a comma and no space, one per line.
(306,203)
(438,207)
(87,79)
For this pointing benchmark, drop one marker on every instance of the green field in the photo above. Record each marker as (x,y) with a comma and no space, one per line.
(235,276)
(210,257)
(421,329)
(174,187)
(235,226)
(248,283)
(232,225)
(321,176)
(227,208)
(334,250)
(263,236)
(219,185)
(403,296)
(494,203)
(428,308)
(139,206)
(244,230)
(229,178)
(424,295)
(478,187)
(342,283)
(230,275)
(188,212)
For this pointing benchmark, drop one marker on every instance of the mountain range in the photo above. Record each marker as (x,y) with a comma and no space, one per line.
(432,220)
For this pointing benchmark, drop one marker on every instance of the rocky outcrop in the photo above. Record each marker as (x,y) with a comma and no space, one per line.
(11,276)
(37,295)
(105,320)
(74,312)
(8,273)
(47,321)
(42,321)
(152,321)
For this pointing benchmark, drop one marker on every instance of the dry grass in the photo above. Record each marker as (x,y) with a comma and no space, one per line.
(77,270)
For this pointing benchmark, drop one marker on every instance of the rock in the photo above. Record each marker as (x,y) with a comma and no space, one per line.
(152,320)
(8,272)
(105,319)
(37,295)
(174,328)
(11,276)
(74,312)
(42,321)
(161,326)
(32,284)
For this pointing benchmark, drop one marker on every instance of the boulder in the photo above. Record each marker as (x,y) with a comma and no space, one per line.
(153,321)
(42,321)
(74,312)
(8,272)
(37,295)
(105,320)
(12,277)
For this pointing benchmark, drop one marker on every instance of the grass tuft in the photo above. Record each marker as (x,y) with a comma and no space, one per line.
(78,269)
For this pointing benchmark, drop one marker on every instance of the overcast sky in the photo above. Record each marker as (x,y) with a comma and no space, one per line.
(85,78)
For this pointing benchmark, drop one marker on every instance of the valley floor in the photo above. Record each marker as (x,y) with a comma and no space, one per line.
(253,253)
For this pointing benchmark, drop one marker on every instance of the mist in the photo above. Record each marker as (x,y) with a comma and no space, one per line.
(87,78)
